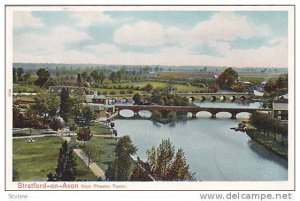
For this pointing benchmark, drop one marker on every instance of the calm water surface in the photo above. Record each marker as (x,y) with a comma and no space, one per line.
(213,151)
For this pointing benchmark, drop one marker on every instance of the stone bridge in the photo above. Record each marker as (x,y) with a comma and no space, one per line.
(213,97)
(192,109)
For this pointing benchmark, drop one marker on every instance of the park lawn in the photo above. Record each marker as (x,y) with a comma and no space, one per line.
(33,161)
(26,131)
(102,150)
(26,88)
(99,129)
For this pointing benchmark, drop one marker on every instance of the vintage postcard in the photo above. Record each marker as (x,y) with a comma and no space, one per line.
(150,97)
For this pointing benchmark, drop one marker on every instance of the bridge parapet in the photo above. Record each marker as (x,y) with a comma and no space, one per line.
(192,109)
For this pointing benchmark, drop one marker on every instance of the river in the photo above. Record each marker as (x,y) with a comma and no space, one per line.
(213,151)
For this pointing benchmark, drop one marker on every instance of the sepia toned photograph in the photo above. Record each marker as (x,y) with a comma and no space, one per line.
(150,97)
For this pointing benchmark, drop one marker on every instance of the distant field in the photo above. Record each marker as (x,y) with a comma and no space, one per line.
(33,161)
(186,75)
(179,87)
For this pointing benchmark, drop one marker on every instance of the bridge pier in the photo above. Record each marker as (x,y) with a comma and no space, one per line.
(233,116)
(194,115)
(213,116)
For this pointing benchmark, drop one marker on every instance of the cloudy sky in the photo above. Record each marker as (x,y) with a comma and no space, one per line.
(245,38)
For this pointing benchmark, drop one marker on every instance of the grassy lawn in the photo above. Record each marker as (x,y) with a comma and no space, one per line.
(98,129)
(26,131)
(102,150)
(33,161)
(25,89)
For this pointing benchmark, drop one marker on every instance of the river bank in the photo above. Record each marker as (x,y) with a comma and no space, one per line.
(273,146)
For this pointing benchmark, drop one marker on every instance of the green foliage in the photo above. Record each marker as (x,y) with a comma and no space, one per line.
(240,87)
(55,124)
(214,87)
(227,78)
(147,88)
(66,165)
(46,103)
(164,166)
(163,97)
(266,123)
(76,106)
(113,77)
(278,86)
(137,98)
(88,114)
(171,116)
(72,125)
(43,77)
(65,104)
(20,72)
(156,115)
(84,134)
(120,170)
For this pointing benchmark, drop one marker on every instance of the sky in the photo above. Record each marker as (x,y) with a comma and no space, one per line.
(173,38)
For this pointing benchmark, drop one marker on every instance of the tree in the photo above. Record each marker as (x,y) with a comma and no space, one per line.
(147,88)
(46,104)
(66,165)
(43,77)
(119,75)
(120,170)
(113,77)
(95,75)
(20,72)
(101,76)
(156,115)
(227,78)
(76,106)
(55,124)
(214,87)
(57,72)
(84,134)
(165,167)
(88,114)
(136,98)
(65,104)
(27,76)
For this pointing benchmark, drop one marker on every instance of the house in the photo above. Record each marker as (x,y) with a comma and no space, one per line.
(98,109)
(280,107)
(101,110)
(99,99)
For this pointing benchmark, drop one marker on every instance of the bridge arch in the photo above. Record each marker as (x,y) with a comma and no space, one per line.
(232,98)
(126,113)
(145,113)
(205,114)
(213,98)
(203,98)
(241,115)
(222,98)
(222,114)
(192,98)
(243,98)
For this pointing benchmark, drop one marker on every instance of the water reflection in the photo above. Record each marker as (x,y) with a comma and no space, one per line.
(212,149)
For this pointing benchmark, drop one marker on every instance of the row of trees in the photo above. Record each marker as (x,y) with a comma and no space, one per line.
(267,125)
(162,164)
(162,96)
